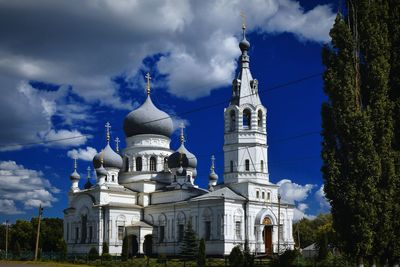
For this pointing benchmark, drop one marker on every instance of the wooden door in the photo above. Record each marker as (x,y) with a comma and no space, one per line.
(268,239)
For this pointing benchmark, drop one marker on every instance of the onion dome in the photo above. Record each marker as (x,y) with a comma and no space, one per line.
(244,45)
(148,119)
(111,159)
(182,157)
(213,176)
(88,184)
(101,172)
(75,175)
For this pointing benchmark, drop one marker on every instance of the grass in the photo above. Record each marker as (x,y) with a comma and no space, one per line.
(43,263)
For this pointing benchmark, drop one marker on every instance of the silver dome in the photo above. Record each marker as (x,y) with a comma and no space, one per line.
(74,176)
(110,159)
(182,157)
(148,119)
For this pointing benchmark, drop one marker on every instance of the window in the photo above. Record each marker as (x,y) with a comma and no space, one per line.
(181,231)
(121,232)
(165,164)
(238,230)
(263,195)
(76,234)
(207,232)
(247,164)
(268,195)
(90,234)
(126,164)
(84,228)
(246,119)
(161,234)
(231,166)
(257,194)
(232,123)
(260,119)
(138,164)
(262,165)
(113,177)
(67,231)
(153,164)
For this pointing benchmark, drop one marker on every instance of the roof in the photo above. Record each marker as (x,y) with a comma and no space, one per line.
(224,192)
(141,224)
(310,247)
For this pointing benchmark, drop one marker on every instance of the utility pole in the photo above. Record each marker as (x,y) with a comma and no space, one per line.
(6,239)
(38,231)
(279,222)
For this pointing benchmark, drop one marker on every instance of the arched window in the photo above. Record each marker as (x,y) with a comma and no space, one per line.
(232,122)
(126,164)
(138,164)
(165,164)
(246,119)
(247,164)
(84,228)
(260,119)
(263,195)
(231,166)
(153,164)
(257,194)
(262,165)
(113,177)
(268,195)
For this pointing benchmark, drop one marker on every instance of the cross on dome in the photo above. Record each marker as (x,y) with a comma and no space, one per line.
(75,163)
(148,77)
(88,172)
(212,162)
(243,15)
(182,126)
(117,141)
(108,127)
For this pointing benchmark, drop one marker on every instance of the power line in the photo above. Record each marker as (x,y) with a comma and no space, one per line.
(178,114)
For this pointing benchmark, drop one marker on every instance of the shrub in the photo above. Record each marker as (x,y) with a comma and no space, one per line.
(106,257)
(287,259)
(236,257)
(201,259)
(125,252)
(93,254)
(105,248)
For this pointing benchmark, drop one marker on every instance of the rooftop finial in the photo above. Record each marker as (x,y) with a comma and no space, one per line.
(88,172)
(117,141)
(212,163)
(182,126)
(244,44)
(75,163)
(148,77)
(108,127)
(243,22)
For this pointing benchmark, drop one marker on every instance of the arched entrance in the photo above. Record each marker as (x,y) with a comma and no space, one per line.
(148,245)
(267,235)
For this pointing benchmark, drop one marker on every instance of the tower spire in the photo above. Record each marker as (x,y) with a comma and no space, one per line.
(108,127)
(88,172)
(75,164)
(117,141)
(148,77)
(212,163)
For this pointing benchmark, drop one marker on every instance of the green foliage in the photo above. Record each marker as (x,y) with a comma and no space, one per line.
(236,258)
(189,245)
(306,229)
(93,254)
(61,247)
(201,258)
(125,247)
(105,248)
(287,259)
(106,257)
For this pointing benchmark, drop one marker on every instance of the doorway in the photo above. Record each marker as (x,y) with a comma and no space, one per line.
(267,235)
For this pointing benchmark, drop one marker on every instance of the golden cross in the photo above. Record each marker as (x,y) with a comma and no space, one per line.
(148,77)
(108,127)
(243,20)
(182,126)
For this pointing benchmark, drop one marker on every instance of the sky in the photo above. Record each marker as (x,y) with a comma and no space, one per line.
(69,66)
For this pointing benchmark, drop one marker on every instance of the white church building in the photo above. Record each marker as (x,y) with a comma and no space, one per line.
(148,192)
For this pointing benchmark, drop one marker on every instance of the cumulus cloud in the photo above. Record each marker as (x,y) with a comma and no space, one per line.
(292,192)
(24,186)
(86,154)
(322,200)
(300,212)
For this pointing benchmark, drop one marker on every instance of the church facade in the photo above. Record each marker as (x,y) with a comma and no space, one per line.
(147,190)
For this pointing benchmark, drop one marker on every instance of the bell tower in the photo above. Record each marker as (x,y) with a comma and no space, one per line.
(245,135)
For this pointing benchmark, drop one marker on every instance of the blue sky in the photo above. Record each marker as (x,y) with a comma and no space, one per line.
(67,73)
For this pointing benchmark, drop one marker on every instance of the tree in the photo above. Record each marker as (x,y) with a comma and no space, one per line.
(201,258)
(189,245)
(93,254)
(360,138)
(125,247)
(105,248)
(236,257)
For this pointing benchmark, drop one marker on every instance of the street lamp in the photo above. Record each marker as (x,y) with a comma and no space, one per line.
(38,231)
(6,224)
(279,222)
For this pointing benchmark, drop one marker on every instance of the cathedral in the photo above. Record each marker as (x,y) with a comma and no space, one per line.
(147,191)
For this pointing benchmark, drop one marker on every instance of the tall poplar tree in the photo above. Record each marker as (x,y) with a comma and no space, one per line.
(360,148)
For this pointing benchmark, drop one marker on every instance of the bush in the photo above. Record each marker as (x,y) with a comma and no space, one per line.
(105,248)
(287,259)
(93,254)
(236,257)
(201,259)
(125,248)
(106,257)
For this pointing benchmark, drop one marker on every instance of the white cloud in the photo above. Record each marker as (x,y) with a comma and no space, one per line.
(82,153)
(292,192)
(300,212)
(322,200)
(25,186)
(64,138)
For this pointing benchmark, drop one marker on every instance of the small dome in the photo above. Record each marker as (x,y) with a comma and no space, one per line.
(74,176)
(88,184)
(213,176)
(148,119)
(101,172)
(111,159)
(182,157)
(244,45)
